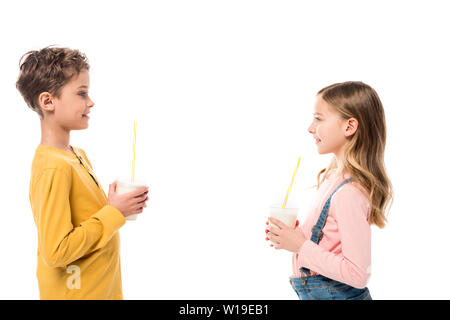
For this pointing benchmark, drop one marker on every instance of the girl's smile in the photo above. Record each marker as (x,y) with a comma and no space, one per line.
(327,129)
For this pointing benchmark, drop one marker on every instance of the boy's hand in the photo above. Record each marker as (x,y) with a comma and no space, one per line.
(128,203)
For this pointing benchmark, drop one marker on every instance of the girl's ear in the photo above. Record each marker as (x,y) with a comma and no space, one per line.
(46,101)
(352,126)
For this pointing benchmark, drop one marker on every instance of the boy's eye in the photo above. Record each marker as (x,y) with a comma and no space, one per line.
(83,94)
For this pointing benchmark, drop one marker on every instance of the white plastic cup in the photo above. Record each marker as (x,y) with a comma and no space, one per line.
(286,215)
(125,186)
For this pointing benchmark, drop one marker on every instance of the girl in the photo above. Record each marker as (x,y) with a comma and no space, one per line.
(331,248)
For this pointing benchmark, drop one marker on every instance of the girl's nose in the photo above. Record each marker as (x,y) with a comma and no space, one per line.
(311,129)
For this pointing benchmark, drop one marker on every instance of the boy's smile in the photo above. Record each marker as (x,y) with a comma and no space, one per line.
(70,110)
(74,103)
(67,112)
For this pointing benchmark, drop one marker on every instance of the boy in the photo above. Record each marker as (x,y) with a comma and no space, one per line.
(77,225)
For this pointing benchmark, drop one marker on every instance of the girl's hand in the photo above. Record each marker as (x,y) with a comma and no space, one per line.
(128,203)
(287,238)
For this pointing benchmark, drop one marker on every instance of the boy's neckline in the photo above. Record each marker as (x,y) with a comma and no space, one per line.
(73,154)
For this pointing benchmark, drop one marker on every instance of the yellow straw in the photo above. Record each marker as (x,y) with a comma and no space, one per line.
(134,152)
(292,182)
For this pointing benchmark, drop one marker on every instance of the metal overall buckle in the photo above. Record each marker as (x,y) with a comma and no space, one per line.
(304,281)
(306,272)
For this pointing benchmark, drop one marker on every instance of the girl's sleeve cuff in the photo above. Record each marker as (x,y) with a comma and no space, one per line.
(305,252)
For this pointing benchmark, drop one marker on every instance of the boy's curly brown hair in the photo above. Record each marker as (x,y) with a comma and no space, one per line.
(47,70)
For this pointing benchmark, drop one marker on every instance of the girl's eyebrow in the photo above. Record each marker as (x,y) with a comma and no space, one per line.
(317,113)
(83,87)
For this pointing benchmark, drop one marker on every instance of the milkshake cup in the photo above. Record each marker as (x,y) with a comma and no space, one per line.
(125,186)
(286,215)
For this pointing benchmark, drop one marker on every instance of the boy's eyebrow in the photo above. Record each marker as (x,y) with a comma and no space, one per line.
(83,86)
(317,113)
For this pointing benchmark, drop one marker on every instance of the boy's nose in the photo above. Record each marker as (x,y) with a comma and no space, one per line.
(311,129)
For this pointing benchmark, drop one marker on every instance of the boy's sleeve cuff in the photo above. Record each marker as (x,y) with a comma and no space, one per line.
(110,217)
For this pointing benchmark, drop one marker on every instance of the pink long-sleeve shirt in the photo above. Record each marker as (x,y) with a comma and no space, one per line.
(343,254)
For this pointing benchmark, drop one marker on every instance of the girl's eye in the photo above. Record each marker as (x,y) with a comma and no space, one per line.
(83,94)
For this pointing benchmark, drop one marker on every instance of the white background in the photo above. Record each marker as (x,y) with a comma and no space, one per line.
(223,93)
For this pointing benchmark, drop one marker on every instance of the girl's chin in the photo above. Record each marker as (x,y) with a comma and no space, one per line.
(322,151)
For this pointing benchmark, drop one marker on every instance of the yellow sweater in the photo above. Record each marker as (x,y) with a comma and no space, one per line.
(78,238)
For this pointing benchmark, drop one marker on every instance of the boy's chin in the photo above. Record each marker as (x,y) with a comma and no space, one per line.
(80,127)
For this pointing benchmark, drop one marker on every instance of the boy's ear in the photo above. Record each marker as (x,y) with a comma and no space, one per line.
(352,126)
(46,101)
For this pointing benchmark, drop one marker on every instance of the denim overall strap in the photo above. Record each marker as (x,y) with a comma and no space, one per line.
(317,233)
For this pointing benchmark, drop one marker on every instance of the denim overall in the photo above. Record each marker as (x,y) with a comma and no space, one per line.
(319,287)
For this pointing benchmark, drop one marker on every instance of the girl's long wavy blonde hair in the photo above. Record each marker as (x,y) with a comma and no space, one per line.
(364,154)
